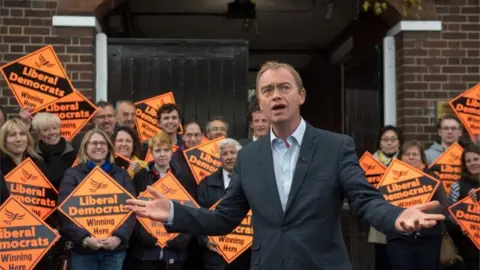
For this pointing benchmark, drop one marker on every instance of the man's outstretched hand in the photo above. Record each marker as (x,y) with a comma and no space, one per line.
(415,218)
(157,208)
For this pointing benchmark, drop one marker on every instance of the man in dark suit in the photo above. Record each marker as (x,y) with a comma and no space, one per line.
(258,123)
(294,180)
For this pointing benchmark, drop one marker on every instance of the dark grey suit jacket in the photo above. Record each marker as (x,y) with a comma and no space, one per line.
(308,234)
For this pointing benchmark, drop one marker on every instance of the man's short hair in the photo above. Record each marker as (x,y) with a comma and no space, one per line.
(448,117)
(168,108)
(216,118)
(129,102)
(103,104)
(192,122)
(229,141)
(269,65)
(253,108)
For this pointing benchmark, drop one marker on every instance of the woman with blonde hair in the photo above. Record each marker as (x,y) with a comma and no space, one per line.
(56,152)
(16,145)
(89,252)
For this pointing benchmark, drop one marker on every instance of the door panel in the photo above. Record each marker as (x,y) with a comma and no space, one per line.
(207,77)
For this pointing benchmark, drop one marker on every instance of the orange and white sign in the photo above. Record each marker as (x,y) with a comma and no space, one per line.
(373,169)
(232,245)
(74,110)
(467,214)
(204,159)
(37,79)
(24,237)
(30,186)
(467,108)
(169,187)
(404,186)
(448,166)
(97,204)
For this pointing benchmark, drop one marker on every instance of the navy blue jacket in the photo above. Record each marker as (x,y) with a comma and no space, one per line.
(69,230)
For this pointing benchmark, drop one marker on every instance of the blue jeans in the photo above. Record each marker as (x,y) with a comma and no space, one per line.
(100,260)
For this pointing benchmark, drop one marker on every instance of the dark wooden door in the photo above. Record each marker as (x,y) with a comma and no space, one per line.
(207,77)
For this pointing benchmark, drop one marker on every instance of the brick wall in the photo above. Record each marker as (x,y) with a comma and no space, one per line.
(436,66)
(26,26)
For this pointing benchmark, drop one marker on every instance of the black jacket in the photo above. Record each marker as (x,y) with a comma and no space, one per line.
(143,244)
(57,158)
(210,191)
(69,230)
(4,194)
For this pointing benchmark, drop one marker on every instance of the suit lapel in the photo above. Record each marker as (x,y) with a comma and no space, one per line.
(307,149)
(268,171)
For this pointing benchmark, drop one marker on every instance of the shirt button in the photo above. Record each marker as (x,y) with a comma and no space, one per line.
(284,229)
(281,259)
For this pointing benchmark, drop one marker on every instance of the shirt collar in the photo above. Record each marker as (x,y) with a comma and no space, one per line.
(297,133)
(225,174)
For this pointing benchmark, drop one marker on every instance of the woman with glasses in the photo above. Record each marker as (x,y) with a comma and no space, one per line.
(90,253)
(389,140)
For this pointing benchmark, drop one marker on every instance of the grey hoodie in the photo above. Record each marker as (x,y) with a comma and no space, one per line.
(433,152)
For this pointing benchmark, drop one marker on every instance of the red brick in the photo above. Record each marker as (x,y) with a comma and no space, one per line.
(37,40)
(17,48)
(36,31)
(454,18)
(12,30)
(470,27)
(16,12)
(16,39)
(471,10)
(471,44)
(453,69)
(453,53)
(473,53)
(16,21)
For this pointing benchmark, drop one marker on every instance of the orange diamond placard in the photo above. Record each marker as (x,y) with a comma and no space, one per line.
(37,79)
(204,159)
(467,108)
(404,186)
(74,110)
(448,166)
(24,237)
(238,241)
(467,213)
(31,187)
(147,118)
(173,190)
(373,169)
(97,204)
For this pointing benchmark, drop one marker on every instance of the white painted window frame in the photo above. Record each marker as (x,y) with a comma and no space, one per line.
(101,56)
(389,64)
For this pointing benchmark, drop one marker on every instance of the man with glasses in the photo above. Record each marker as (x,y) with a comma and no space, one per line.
(216,127)
(450,130)
(103,119)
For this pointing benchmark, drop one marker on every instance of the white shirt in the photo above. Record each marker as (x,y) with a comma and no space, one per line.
(285,157)
(226,179)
